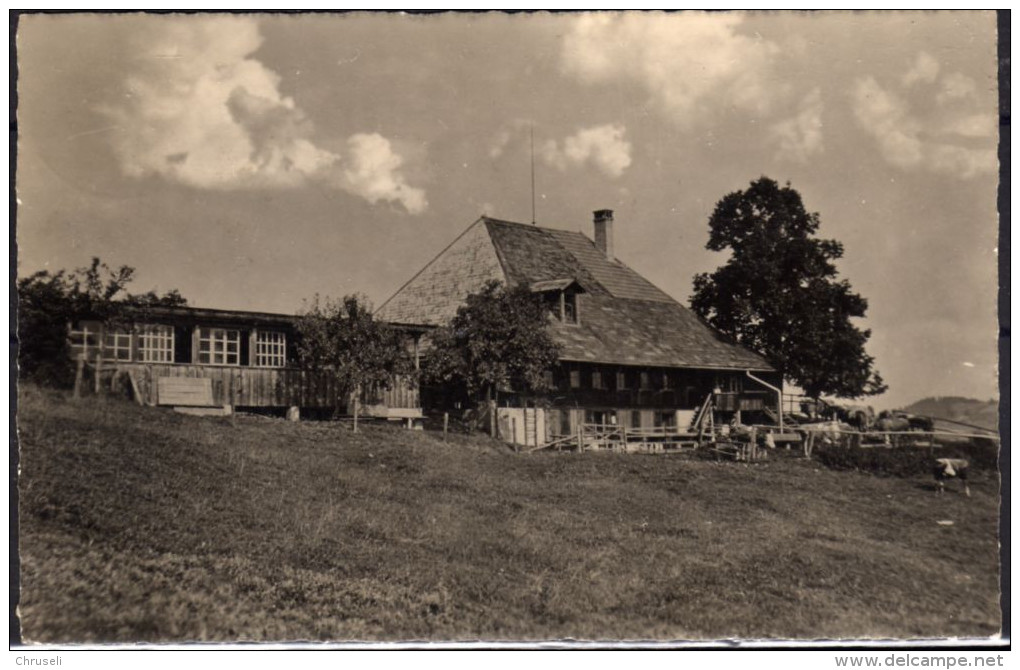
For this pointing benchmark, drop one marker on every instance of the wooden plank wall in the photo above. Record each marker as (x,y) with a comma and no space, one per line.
(184,391)
(264,387)
(554,421)
(401,394)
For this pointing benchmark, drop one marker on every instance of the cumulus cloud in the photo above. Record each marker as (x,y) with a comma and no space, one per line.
(800,137)
(602,146)
(923,138)
(688,64)
(200,110)
(885,116)
(372,172)
(925,69)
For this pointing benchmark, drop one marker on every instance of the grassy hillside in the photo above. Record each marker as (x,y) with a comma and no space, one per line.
(141,524)
(983,413)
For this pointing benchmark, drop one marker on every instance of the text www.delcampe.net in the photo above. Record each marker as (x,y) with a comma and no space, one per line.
(919,661)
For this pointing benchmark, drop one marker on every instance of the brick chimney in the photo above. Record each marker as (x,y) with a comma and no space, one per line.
(604,231)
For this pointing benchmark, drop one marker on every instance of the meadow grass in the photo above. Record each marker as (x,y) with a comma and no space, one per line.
(139,524)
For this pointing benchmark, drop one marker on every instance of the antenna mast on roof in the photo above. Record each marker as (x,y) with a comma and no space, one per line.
(533,173)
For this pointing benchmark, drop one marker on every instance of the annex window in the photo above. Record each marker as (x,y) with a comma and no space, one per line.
(117,345)
(575,379)
(270,349)
(646,381)
(596,380)
(219,346)
(156,344)
(85,339)
(621,381)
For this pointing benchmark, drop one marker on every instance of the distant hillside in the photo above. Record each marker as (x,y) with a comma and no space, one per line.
(984,413)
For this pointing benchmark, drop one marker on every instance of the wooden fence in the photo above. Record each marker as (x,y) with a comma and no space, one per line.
(594,436)
(879,439)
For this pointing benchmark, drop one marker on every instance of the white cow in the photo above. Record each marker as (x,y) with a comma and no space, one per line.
(947,468)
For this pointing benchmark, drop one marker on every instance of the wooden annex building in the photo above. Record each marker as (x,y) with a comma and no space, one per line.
(245,359)
(632,357)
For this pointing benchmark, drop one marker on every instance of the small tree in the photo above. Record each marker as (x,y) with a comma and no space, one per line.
(342,339)
(779,294)
(47,303)
(498,339)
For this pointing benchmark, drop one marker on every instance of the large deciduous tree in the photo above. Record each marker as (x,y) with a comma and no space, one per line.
(49,302)
(499,339)
(779,293)
(342,338)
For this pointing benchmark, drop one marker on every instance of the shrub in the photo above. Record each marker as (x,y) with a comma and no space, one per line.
(905,462)
(49,303)
(878,461)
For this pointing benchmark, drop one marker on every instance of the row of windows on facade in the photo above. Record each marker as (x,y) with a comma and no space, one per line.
(644,380)
(155,344)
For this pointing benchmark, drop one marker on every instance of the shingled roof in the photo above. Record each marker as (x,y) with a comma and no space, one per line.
(624,318)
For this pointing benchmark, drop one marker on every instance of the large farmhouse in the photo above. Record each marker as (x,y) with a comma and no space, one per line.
(631,355)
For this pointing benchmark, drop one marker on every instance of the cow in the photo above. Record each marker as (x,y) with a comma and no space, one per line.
(901,421)
(860,417)
(925,424)
(947,468)
(892,421)
(822,433)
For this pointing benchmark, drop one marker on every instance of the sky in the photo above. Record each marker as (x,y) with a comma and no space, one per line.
(253,161)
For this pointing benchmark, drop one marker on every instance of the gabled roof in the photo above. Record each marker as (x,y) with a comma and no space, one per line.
(553,285)
(623,318)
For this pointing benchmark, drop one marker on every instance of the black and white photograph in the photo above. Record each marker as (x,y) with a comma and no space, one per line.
(659,328)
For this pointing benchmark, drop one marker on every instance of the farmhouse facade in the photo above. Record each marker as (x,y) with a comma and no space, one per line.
(630,354)
(250,359)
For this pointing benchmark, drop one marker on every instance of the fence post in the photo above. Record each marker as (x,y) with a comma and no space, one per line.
(357,394)
(99,371)
(491,404)
(446,424)
(79,372)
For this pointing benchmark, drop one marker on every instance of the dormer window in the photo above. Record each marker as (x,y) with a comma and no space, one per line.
(569,307)
(560,296)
